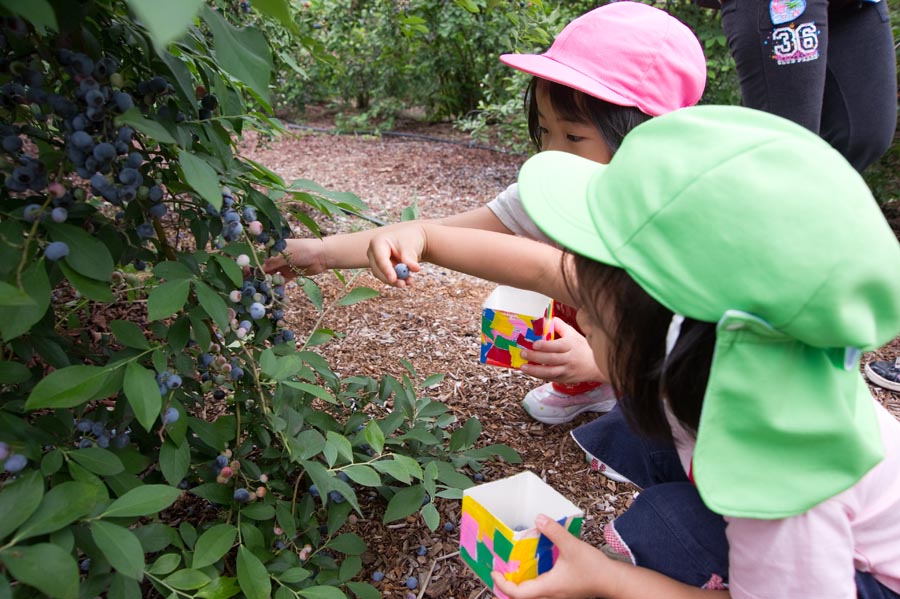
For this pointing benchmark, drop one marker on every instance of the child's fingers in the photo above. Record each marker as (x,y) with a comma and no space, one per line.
(562,328)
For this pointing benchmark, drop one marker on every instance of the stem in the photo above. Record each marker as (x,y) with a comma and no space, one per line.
(160,582)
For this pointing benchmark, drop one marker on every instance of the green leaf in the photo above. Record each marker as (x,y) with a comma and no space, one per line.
(293,575)
(278,10)
(244,53)
(258,511)
(213,544)
(213,492)
(13,296)
(88,255)
(431,516)
(466,435)
(252,575)
(313,390)
(231,269)
(61,505)
(363,590)
(15,320)
(222,587)
(123,587)
(141,501)
(188,580)
(174,460)
(393,468)
(405,502)
(32,565)
(120,548)
(13,373)
(201,177)
(172,270)
(19,500)
(341,444)
(313,292)
(38,12)
(142,392)
(348,544)
(129,334)
(134,118)
(322,592)
(164,564)
(374,436)
(166,20)
(363,475)
(67,387)
(284,367)
(98,460)
(213,303)
(359,294)
(89,288)
(167,299)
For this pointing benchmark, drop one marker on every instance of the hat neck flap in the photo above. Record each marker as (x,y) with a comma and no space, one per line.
(779,448)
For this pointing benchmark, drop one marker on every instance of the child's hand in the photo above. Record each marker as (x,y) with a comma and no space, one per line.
(579,571)
(306,256)
(567,359)
(402,243)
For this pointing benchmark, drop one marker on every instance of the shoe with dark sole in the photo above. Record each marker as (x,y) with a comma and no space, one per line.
(884,373)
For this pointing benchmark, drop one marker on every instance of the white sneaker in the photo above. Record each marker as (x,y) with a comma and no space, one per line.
(546,404)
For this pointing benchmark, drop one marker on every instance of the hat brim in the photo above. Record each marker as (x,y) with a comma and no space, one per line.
(541,66)
(555,188)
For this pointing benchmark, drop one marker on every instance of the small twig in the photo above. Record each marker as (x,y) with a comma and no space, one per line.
(431,571)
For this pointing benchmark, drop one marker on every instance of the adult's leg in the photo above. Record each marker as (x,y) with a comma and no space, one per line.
(780,49)
(859,114)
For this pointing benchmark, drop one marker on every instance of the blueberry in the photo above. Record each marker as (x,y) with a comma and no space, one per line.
(336,497)
(173,382)
(122,441)
(402,271)
(15,463)
(479,477)
(59,214)
(242,495)
(249,213)
(81,140)
(85,443)
(12,143)
(221,461)
(123,101)
(85,564)
(56,251)
(99,182)
(32,211)
(104,151)
(4,450)
(155,194)
(140,265)
(245,324)
(103,441)
(412,582)
(257,310)
(313,490)
(84,425)
(145,231)
(422,550)
(97,429)
(171,416)
(377,576)
(449,527)
(237,373)
(134,160)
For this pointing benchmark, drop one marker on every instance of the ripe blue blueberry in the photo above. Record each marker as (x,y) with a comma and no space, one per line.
(402,271)
(31,212)
(237,373)
(257,310)
(59,214)
(377,576)
(221,461)
(173,382)
(336,497)
(171,416)
(56,251)
(158,210)
(103,441)
(97,429)
(15,463)
(313,490)
(85,564)
(122,441)
(85,443)
(145,231)
(84,425)
(449,527)
(479,477)
(412,582)
(422,550)
(245,324)
(242,495)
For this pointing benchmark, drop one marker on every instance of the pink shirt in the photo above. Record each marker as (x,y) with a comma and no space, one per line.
(815,555)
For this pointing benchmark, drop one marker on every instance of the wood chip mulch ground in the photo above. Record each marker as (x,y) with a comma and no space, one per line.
(435,327)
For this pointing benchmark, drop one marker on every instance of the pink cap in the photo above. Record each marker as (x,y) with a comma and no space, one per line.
(626,53)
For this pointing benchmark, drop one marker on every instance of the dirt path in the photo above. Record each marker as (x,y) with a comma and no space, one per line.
(435,327)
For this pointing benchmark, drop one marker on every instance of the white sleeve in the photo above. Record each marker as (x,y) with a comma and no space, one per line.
(507,207)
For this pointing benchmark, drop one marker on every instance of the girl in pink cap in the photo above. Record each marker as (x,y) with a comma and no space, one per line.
(605,73)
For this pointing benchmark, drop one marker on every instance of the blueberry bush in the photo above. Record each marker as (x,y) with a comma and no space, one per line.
(162,431)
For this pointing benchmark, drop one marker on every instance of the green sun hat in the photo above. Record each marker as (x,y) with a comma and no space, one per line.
(741,218)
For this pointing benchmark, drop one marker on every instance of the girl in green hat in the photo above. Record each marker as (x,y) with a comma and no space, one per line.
(732,332)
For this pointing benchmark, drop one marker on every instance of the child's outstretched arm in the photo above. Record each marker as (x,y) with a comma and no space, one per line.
(311,256)
(584,571)
(504,259)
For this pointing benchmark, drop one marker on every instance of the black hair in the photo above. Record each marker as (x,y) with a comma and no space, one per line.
(613,121)
(637,325)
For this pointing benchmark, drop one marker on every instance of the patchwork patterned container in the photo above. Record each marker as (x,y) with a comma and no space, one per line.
(510,320)
(497,527)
